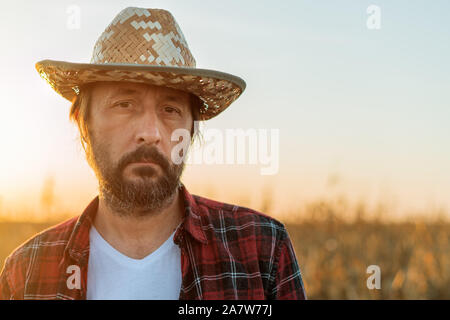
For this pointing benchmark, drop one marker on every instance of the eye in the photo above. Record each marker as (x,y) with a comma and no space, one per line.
(171,110)
(123,105)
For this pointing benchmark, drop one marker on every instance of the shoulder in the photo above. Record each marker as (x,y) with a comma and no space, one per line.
(241,221)
(244,240)
(50,242)
(53,236)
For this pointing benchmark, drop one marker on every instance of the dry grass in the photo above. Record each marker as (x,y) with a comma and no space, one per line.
(414,259)
(334,253)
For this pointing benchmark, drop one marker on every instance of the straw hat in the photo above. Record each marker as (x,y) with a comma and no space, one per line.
(145,45)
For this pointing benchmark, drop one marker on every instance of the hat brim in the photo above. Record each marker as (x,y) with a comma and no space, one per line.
(216,89)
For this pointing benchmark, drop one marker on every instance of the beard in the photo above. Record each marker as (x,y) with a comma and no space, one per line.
(148,194)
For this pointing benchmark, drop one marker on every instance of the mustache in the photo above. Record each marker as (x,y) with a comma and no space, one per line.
(145,153)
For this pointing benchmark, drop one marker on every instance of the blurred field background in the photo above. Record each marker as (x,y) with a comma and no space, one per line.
(335,242)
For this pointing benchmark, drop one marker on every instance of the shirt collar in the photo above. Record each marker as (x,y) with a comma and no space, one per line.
(78,244)
(193,216)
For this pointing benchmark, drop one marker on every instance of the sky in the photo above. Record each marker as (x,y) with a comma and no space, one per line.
(362,113)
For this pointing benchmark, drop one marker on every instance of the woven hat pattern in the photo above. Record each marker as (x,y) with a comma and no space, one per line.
(145,45)
(140,36)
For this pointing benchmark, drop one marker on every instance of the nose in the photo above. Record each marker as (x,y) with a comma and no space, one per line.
(148,130)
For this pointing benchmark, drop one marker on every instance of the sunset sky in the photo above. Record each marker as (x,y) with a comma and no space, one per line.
(361,113)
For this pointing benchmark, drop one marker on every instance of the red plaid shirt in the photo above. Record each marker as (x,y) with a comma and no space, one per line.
(227,252)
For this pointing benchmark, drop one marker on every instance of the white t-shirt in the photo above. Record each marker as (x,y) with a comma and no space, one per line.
(113,275)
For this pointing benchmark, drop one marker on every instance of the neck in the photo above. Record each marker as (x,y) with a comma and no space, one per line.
(138,235)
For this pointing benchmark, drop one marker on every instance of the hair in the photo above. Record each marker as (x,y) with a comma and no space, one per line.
(79,113)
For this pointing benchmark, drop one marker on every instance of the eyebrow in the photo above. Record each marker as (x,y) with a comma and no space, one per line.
(171,97)
(123,91)
(167,97)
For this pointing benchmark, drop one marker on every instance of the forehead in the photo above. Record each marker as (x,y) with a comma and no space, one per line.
(131,88)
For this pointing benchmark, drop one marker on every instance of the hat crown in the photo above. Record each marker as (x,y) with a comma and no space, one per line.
(143,36)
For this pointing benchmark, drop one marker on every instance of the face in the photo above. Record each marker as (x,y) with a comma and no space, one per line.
(130,127)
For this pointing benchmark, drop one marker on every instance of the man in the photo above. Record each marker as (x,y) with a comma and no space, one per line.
(145,236)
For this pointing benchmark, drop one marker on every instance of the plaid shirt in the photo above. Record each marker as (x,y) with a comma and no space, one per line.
(227,252)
